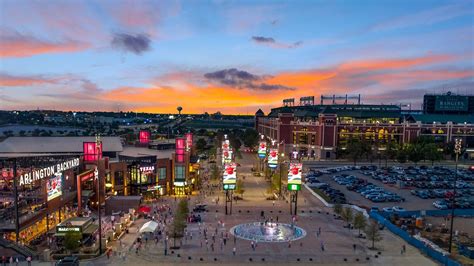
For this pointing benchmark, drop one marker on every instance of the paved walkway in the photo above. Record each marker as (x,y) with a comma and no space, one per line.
(338,241)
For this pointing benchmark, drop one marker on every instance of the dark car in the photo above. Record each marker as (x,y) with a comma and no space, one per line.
(68,261)
(200,208)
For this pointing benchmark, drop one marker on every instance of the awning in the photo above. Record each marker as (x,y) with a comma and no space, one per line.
(87,193)
(144,209)
(149,227)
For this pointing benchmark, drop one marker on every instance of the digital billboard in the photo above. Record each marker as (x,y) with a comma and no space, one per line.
(227,156)
(54,186)
(294,176)
(262,149)
(451,103)
(144,136)
(91,153)
(230,173)
(273,158)
(180,149)
(189,141)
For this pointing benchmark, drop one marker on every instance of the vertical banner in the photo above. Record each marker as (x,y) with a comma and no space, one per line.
(230,176)
(189,141)
(226,152)
(262,149)
(294,176)
(180,149)
(91,153)
(144,136)
(273,158)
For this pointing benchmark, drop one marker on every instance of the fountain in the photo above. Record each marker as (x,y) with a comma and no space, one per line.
(268,232)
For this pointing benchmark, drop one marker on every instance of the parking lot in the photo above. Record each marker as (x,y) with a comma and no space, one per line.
(411,188)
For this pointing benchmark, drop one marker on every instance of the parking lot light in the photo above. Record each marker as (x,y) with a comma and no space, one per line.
(457,151)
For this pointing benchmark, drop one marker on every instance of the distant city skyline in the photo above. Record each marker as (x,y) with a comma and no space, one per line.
(229,56)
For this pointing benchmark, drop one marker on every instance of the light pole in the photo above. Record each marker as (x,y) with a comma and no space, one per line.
(281,172)
(457,151)
(99,150)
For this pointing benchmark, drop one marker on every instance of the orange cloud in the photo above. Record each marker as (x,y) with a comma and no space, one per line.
(371,77)
(13,44)
(19,81)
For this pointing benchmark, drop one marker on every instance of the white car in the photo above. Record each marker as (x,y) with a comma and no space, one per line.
(398,209)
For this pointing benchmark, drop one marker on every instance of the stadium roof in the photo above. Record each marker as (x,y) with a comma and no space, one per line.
(42,145)
(441,118)
(349,110)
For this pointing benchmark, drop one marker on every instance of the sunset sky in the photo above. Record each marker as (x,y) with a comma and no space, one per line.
(229,56)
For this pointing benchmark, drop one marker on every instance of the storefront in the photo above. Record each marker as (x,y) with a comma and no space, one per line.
(42,190)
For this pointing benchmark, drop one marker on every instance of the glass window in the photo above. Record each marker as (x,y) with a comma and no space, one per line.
(179,173)
(162,173)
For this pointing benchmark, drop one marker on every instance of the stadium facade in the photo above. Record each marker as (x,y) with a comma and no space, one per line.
(318,130)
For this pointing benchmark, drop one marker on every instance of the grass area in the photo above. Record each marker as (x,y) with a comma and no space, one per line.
(321,193)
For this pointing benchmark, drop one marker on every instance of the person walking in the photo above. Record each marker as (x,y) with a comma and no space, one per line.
(322,246)
(354,246)
(28,259)
(233,251)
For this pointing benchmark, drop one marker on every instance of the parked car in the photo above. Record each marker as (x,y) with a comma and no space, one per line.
(398,209)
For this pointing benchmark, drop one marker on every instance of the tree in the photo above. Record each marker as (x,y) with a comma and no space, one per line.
(390,152)
(235,143)
(359,221)
(180,221)
(239,188)
(250,137)
(357,148)
(338,208)
(201,144)
(215,173)
(401,155)
(373,232)
(347,215)
(415,152)
(431,152)
(72,240)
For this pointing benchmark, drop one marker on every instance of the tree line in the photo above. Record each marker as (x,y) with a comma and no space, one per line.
(422,149)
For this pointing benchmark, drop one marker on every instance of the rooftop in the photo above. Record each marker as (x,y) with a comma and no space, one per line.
(65,145)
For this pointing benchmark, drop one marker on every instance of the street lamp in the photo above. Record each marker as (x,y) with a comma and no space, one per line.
(281,172)
(457,151)
(96,173)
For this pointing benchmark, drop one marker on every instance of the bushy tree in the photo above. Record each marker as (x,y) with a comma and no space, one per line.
(180,221)
(357,148)
(250,137)
(72,240)
(201,144)
(431,152)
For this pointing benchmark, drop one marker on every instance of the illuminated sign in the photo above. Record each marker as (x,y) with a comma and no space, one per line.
(147,169)
(227,156)
(294,187)
(180,149)
(54,187)
(65,229)
(91,152)
(28,178)
(230,174)
(189,141)
(86,175)
(229,186)
(273,158)
(144,136)
(294,175)
(262,149)
(451,103)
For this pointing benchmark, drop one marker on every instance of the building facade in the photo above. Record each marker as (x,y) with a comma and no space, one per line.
(319,131)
